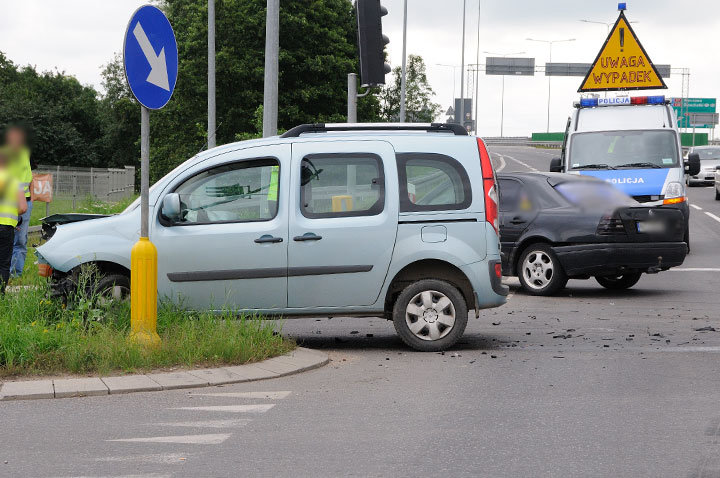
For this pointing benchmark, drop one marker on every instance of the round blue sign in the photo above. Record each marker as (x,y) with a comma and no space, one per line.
(150,55)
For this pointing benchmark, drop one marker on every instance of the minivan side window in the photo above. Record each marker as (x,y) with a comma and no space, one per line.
(341,185)
(243,191)
(432,182)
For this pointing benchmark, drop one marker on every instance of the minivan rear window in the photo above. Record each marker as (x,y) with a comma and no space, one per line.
(432,182)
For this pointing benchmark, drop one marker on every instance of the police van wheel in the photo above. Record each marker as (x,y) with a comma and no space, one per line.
(430,315)
(619,282)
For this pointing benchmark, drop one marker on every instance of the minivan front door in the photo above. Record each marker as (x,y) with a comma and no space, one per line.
(343,222)
(228,249)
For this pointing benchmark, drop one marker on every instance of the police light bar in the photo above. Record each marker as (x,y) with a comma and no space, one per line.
(623,100)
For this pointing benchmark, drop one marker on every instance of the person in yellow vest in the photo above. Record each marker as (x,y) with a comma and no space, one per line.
(12,206)
(19,166)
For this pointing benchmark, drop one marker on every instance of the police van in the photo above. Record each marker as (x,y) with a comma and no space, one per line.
(633,143)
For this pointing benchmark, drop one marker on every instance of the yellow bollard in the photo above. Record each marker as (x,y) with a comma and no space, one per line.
(143,294)
(339,201)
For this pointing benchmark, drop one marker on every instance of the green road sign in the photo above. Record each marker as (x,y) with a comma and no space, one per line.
(683,108)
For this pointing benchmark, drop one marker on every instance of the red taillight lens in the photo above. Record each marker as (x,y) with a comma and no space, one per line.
(489,186)
(498,269)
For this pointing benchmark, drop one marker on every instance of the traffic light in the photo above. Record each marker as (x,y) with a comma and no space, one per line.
(371,42)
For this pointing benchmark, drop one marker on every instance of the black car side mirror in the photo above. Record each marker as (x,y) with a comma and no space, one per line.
(556,165)
(692,164)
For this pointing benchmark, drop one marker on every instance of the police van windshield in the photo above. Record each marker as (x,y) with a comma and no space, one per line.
(623,150)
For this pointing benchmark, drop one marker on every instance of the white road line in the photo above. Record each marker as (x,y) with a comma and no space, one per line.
(696,207)
(713,216)
(211,439)
(165,458)
(711,349)
(262,408)
(521,163)
(502,162)
(240,422)
(696,269)
(268,395)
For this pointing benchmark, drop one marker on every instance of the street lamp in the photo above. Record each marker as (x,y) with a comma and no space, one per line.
(607,24)
(502,96)
(550,44)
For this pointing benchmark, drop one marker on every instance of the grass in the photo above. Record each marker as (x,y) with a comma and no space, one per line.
(86,205)
(41,336)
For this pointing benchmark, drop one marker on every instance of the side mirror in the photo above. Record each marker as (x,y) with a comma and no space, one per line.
(171,206)
(556,165)
(693,164)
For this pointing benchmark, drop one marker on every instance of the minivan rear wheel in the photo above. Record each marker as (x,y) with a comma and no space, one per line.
(430,315)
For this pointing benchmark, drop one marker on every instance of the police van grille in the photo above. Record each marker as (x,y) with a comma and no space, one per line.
(649,198)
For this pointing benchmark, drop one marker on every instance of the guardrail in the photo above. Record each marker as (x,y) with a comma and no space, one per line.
(521,141)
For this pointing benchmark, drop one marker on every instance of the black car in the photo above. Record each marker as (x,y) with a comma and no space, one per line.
(555,227)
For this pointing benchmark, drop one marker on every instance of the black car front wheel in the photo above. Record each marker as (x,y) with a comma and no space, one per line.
(619,282)
(540,271)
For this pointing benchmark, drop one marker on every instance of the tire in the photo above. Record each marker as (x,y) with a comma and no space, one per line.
(540,271)
(624,281)
(112,287)
(686,237)
(420,322)
(717,194)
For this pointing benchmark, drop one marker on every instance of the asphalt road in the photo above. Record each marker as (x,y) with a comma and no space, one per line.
(588,383)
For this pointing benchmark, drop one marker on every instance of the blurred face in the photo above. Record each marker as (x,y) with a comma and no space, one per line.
(15,138)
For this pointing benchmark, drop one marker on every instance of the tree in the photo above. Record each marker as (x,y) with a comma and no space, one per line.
(418,97)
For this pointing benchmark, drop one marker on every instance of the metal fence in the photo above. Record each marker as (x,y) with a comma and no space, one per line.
(78,184)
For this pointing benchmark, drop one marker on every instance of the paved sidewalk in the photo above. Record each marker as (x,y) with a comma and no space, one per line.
(299,360)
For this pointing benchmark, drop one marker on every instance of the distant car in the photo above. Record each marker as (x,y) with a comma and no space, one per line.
(709,161)
(555,227)
(717,183)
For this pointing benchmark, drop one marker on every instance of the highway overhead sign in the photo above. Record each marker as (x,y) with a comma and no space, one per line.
(622,63)
(150,55)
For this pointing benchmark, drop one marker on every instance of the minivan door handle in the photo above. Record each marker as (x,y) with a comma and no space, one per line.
(267,238)
(308,236)
(517,220)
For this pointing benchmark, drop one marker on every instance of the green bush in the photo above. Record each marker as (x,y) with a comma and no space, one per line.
(43,336)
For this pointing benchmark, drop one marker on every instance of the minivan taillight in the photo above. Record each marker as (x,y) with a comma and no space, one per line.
(489,186)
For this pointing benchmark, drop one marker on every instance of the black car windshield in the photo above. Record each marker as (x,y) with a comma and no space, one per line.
(624,149)
(591,195)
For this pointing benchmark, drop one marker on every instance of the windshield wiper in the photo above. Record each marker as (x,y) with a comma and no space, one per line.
(593,166)
(640,165)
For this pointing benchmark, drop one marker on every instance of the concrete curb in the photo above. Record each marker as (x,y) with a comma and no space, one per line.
(299,360)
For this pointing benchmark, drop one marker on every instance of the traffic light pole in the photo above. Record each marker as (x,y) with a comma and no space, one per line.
(352,98)
(403,80)
(143,257)
(211,75)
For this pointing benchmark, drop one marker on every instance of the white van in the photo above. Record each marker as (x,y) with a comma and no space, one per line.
(633,143)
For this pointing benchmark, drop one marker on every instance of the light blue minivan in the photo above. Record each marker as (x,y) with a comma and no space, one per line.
(392,220)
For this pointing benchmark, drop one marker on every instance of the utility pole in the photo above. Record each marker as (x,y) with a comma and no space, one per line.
(272,47)
(211,140)
(462,72)
(403,80)
(477,69)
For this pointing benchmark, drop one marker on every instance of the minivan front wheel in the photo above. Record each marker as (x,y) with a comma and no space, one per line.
(430,315)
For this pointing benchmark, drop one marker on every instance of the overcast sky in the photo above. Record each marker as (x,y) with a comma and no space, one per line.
(79,36)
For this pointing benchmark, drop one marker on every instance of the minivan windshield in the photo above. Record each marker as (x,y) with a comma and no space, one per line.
(623,149)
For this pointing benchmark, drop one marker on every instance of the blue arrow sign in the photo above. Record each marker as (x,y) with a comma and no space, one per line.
(150,55)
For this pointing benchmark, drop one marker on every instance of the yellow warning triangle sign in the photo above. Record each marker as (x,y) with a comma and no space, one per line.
(622,63)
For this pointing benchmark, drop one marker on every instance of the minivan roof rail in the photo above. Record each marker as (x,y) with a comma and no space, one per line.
(456,129)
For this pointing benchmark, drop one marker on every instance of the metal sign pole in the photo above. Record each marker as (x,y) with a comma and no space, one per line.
(272,47)
(211,75)
(144,170)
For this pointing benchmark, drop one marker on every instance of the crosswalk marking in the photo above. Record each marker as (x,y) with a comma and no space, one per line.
(239,422)
(696,207)
(265,395)
(209,439)
(259,408)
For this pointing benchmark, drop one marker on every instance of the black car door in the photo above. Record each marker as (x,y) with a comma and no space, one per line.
(516,211)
